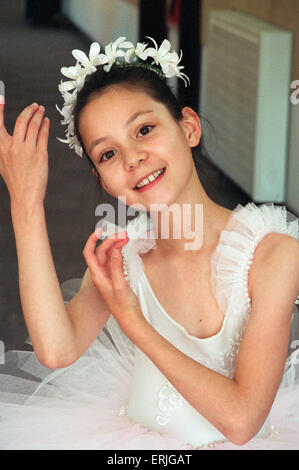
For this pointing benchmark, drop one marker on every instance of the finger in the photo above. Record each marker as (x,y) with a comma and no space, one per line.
(121,243)
(43,136)
(97,271)
(117,245)
(122,235)
(116,269)
(22,122)
(106,245)
(3,132)
(2,101)
(34,127)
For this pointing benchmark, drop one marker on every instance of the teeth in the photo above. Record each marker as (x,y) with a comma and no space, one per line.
(150,178)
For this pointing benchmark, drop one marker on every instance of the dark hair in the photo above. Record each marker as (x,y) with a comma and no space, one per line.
(132,77)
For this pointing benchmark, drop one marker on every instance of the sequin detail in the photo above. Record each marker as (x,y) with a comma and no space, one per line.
(122,411)
(168,399)
(227,358)
(225,361)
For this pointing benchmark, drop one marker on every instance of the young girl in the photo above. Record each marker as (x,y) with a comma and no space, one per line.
(171,342)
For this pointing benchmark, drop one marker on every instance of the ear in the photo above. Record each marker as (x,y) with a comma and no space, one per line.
(191,126)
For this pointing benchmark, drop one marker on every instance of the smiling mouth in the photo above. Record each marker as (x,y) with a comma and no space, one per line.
(150,181)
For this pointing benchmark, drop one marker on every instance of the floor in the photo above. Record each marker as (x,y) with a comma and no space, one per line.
(30,62)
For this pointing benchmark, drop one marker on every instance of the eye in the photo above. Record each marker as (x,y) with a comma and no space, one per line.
(145,130)
(107,155)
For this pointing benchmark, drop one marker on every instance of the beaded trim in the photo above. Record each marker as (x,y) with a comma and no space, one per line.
(248,263)
(125,270)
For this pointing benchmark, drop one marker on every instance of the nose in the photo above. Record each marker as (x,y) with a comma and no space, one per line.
(133,158)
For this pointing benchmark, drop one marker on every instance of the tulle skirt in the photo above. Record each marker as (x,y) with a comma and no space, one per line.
(82,407)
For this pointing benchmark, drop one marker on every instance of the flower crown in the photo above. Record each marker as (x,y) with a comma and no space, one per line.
(165,64)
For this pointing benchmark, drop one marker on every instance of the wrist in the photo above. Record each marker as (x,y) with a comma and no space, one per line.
(20,206)
(138,330)
(25,211)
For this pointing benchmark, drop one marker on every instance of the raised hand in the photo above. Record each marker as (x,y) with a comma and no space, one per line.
(24,155)
(106,270)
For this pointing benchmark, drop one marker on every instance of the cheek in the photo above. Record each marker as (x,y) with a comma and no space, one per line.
(163,147)
(176,151)
(111,182)
(174,143)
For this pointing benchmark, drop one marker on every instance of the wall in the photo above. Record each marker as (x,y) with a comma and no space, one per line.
(104,20)
(285,14)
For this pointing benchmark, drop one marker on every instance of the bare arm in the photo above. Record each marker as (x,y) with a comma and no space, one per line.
(49,326)
(236,406)
(59,333)
(88,313)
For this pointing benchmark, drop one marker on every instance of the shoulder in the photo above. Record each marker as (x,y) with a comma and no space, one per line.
(275,262)
(277,246)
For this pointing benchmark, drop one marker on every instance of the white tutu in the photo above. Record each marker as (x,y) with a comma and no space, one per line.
(81,406)
(84,406)
(78,407)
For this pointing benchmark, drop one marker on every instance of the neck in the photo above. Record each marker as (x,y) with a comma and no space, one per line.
(191,224)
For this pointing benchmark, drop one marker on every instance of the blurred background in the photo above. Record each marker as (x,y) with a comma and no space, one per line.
(242,57)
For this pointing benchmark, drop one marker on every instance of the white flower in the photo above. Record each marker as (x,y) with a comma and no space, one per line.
(172,69)
(161,55)
(71,84)
(139,51)
(73,142)
(113,51)
(90,62)
(67,113)
(70,98)
(168,61)
(79,72)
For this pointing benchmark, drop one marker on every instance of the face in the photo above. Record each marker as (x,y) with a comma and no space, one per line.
(139,150)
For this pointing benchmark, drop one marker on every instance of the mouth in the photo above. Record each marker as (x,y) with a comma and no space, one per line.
(150,180)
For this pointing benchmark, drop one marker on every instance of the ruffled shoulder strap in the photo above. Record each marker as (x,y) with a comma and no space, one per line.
(141,240)
(232,258)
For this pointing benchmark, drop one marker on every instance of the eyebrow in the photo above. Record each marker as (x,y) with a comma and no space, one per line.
(131,119)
